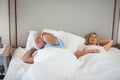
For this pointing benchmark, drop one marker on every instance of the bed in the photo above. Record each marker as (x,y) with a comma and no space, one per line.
(61,64)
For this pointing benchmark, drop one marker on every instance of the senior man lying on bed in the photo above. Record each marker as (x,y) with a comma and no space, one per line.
(42,40)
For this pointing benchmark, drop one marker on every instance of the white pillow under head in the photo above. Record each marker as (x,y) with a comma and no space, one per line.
(71,41)
(30,40)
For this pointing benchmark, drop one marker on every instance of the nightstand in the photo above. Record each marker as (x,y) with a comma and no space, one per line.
(5,56)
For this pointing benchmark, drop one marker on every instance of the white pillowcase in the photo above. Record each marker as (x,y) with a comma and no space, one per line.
(30,40)
(71,41)
(31,37)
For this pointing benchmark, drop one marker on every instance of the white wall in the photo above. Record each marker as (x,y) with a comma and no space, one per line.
(76,16)
(4,21)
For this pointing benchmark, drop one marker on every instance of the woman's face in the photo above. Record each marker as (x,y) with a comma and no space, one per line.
(93,39)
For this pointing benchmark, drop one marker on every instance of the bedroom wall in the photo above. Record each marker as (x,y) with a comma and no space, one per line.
(4,22)
(77,16)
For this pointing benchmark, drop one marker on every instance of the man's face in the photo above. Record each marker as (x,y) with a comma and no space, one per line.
(39,40)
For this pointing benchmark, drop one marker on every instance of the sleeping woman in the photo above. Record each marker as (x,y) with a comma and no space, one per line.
(93,45)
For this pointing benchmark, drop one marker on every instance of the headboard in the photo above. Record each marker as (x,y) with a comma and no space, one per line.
(76,16)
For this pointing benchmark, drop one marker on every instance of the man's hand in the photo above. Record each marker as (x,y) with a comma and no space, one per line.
(32,49)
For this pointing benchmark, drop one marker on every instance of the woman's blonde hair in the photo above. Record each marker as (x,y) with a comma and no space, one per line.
(88,37)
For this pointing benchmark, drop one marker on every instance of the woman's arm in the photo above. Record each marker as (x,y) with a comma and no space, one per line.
(106,44)
(81,53)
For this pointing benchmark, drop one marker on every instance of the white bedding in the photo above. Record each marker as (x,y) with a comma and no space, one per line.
(61,64)
(16,66)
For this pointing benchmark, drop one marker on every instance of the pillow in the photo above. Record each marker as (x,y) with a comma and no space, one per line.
(73,41)
(30,40)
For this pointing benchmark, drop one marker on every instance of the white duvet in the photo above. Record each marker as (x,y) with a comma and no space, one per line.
(61,64)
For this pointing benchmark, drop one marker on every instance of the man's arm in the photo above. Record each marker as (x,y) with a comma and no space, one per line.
(49,38)
(27,57)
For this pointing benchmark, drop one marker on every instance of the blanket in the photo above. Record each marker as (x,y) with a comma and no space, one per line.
(61,64)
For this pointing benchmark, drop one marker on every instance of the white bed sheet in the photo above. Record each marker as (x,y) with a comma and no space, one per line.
(16,67)
(88,67)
